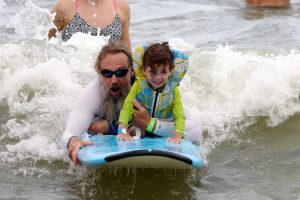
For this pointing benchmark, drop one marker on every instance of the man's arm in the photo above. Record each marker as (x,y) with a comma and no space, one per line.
(141,119)
(81,116)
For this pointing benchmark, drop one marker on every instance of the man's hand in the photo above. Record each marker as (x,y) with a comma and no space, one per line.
(141,117)
(177,138)
(101,126)
(73,147)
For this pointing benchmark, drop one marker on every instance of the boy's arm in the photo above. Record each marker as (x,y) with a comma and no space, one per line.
(127,109)
(179,118)
(126,114)
(178,112)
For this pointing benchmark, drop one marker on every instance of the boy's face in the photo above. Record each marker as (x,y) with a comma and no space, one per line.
(158,77)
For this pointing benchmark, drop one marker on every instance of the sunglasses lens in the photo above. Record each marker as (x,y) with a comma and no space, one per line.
(107,73)
(121,72)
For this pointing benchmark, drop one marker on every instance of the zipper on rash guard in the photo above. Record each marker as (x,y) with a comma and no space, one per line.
(154,104)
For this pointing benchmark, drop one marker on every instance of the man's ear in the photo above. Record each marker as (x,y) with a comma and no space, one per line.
(172,69)
(143,69)
(132,73)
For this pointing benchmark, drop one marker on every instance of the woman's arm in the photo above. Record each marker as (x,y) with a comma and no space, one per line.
(64,10)
(124,13)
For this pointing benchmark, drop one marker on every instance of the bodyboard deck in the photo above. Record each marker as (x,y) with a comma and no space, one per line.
(142,153)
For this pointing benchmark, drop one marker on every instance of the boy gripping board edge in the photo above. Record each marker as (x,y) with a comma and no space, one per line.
(143,153)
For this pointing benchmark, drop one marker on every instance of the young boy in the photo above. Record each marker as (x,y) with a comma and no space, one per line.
(156,91)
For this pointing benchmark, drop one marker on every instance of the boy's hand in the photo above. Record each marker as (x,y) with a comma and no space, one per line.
(122,133)
(177,138)
(124,137)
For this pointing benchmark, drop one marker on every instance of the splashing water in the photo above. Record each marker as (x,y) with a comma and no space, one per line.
(38,22)
(239,95)
(233,89)
(40,85)
(2,6)
(224,92)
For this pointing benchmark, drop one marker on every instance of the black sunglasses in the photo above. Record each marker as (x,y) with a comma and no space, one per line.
(119,73)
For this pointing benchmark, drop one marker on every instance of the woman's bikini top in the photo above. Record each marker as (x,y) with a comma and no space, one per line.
(78,24)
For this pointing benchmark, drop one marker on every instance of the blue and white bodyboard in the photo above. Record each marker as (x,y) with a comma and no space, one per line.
(142,153)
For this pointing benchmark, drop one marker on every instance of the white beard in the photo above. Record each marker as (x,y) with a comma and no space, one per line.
(110,107)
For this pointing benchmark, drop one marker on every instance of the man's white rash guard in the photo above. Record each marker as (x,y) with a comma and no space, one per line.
(85,108)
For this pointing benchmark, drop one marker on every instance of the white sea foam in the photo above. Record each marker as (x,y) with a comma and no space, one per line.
(2,6)
(88,45)
(32,21)
(39,87)
(180,44)
(231,89)
(224,91)
(38,147)
(87,41)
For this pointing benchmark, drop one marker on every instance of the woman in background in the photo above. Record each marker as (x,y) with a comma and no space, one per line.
(97,17)
(269,3)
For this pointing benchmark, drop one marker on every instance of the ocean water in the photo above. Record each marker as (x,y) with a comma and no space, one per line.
(242,89)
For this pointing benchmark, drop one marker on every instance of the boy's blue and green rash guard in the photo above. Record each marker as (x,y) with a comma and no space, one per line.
(165,105)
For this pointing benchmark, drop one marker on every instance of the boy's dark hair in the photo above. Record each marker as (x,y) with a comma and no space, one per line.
(158,54)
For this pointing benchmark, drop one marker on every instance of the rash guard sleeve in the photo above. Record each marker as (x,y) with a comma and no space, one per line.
(85,108)
(127,109)
(178,112)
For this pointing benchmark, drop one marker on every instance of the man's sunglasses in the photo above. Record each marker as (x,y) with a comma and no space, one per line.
(119,73)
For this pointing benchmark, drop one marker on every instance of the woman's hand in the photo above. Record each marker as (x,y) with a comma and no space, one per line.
(141,117)
(73,147)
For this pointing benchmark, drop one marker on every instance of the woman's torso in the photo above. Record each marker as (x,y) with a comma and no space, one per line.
(79,24)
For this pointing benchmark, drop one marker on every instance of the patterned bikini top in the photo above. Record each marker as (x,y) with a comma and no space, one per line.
(78,24)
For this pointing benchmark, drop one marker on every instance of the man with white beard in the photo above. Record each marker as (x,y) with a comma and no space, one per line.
(104,98)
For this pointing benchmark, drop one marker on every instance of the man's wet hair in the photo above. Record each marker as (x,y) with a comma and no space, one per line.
(113,48)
